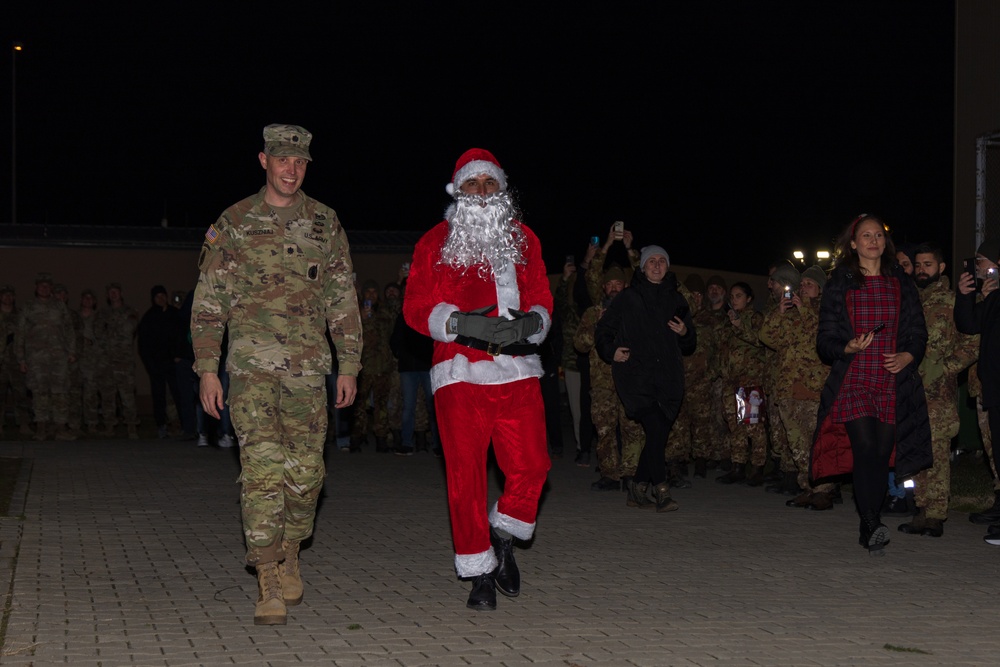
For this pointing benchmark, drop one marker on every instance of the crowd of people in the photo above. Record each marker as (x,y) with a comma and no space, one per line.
(833,376)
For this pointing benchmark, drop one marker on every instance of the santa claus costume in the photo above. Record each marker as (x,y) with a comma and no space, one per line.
(483,392)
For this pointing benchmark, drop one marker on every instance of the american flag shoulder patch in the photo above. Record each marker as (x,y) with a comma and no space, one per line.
(212,235)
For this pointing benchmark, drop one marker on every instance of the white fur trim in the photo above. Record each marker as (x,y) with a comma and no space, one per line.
(516,527)
(537,338)
(477,168)
(501,370)
(437,322)
(508,293)
(473,565)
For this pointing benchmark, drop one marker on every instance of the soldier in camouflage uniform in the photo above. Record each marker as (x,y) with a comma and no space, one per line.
(13,388)
(74,392)
(780,275)
(790,331)
(90,360)
(948,353)
(46,346)
(742,364)
(376,380)
(116,326)
(715,318)
(392,306)
(276,269)
(691,436)
(606,408)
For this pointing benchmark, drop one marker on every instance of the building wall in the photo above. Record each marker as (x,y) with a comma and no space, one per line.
(977,107)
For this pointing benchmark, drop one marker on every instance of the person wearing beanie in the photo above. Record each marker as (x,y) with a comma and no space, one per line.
(606,408)
(45,346)
(873,409)
(643,335)
(977,311)
(276,398)
(478,287)
(789,331)
(158,329)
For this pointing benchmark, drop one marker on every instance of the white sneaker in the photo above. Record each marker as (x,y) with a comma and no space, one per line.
(226,441)
(202,440)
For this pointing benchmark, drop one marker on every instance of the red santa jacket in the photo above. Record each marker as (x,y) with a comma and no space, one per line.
(434,291)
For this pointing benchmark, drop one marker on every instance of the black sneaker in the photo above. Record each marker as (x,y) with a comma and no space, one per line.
(404,451)
(582,459)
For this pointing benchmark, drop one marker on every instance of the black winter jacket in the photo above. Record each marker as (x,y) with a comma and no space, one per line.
(983,318)
(637,319)
(831,451)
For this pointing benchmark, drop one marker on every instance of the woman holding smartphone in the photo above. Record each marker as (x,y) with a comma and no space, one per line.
(872,408)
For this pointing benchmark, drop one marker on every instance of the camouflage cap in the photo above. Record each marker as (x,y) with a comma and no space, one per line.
(59,287)
(88,291)
(43,278)
(4,289)
(285,140)
(110,286)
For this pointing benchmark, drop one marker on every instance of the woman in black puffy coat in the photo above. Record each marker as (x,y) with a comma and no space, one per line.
(872,408)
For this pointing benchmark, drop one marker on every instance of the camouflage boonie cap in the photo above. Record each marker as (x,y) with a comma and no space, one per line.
(59,287)
(116,286)
(287,140)
(43,278)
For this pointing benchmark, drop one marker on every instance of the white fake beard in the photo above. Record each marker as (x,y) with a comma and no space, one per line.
(483,236)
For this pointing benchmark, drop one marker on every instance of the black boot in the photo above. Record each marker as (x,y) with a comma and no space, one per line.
(738,473)
(356,443)
(484,595)
(789,480)
(873,535)
(677,476)
(638,496)
(756,476)
(506,576)
(382,445)
(989,516)
(701,467)
(421,440)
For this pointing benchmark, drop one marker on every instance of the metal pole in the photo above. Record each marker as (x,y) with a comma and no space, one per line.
(17,47)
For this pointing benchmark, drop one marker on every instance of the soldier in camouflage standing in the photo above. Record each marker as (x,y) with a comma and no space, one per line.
(116,326)
(46,346)
(90,360)
(790,331)
(13,388)
(276,268)
(606,408)
(948,353)
(74,392)
(714,317)
(375,380)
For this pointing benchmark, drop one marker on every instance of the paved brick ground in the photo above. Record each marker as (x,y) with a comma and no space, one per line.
(130,553)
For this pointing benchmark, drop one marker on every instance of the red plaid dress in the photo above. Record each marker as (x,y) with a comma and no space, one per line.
(869,390)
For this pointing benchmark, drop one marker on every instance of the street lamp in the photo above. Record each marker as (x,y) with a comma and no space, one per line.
(18,47)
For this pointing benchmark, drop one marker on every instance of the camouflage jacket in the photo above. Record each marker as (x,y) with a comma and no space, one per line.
(702,367)
(565,309)
(115,330)
(376,355)
(583,341)
(594,274)
(278,287)
(8,331)
(798,372)
(88,352)
(741,354)
(948,352)
(44,327)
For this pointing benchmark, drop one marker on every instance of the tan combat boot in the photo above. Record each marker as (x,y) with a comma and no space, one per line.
(270,609)
(288,570)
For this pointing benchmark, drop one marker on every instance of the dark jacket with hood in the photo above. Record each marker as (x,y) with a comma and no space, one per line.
(637,319)
(983,318)
(831,451)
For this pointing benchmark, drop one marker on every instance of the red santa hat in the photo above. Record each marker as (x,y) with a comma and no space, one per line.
(476,162)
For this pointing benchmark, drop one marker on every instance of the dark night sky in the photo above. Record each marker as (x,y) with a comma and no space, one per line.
(727,132)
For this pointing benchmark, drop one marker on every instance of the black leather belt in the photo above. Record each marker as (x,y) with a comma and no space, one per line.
(493,349)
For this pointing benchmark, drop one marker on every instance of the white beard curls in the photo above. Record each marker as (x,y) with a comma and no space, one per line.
(483,236)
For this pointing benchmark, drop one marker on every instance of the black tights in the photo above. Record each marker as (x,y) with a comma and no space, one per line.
(872,442)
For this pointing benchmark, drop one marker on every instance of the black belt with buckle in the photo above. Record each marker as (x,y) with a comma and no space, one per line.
(494,349)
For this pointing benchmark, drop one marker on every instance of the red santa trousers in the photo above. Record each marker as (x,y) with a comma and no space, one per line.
(513,417)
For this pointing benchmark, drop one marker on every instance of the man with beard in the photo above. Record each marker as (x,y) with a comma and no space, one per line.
(605,407)
(948,353)
(480,261)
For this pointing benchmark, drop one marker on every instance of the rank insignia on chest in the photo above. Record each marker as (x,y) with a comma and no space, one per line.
(313,272)
(212,235)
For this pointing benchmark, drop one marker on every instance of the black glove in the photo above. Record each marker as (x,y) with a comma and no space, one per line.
(518,329)
(473,324)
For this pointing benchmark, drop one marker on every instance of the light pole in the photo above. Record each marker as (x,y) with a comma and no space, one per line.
(18,47)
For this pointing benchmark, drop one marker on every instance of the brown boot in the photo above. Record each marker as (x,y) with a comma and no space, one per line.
(288,570)
(820,501)
(637,495)
(916,525)
(65,433)
(664,503)
(270,609)
(756,476)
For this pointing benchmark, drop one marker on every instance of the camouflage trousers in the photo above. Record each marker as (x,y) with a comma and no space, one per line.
(691,436)
(395,404)
(747,442)
(718,428)
(983,417)
(932,487)
(796,421)
(608,415)
(118,382)
(90,395)
(74,397)
(281,425)
(14,392)
(777,438)
(377,388)
(48,383)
